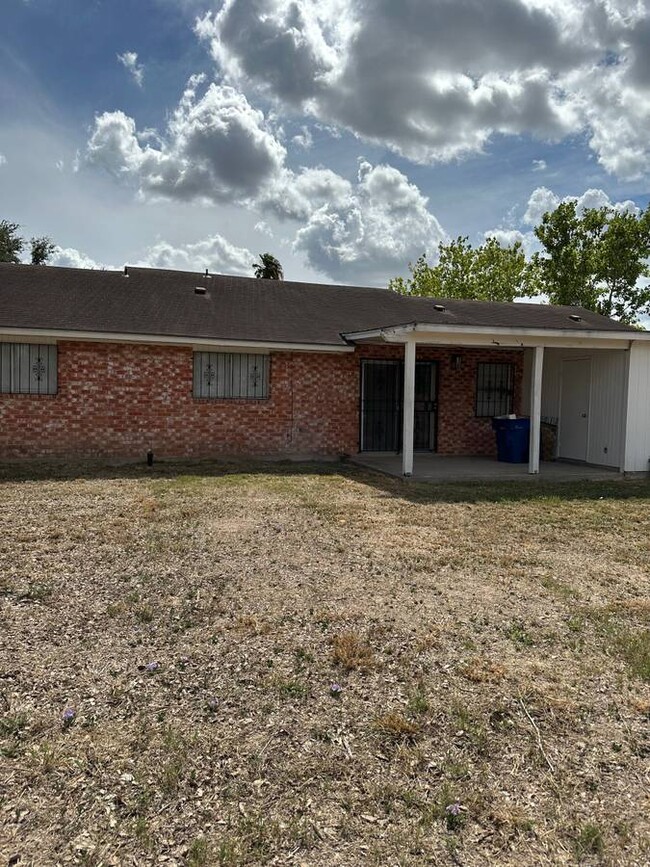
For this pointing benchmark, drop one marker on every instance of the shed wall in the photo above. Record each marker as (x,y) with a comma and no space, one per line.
(637,438)
(607,400)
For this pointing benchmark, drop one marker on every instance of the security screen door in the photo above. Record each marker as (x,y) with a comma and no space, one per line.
(382,405)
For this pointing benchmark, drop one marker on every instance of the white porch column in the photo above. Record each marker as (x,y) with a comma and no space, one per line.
(535,408)
(409,407)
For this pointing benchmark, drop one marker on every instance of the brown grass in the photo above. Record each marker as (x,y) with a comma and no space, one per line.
(351,652)
(489,645)
(481,670)
(395,726)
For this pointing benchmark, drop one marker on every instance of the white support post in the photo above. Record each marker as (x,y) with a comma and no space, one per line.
(409,407)
(535,408)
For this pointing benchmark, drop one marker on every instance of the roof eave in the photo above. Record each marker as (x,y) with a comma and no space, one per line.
(54,334)
(435,333)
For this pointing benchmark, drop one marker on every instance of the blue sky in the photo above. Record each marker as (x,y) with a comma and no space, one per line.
(344,136)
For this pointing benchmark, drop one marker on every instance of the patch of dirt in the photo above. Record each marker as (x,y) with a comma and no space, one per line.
(272,664)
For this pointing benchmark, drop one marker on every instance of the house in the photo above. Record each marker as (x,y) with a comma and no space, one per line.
(110,364)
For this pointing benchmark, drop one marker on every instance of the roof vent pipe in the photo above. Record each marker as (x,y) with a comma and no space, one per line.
(439,307)
(200,290)
(126,270)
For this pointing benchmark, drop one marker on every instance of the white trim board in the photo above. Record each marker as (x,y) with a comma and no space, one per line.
(27,335)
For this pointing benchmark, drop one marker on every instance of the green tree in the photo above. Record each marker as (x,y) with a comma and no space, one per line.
(594,260)
(11,244)
(486,273)
(42,249)
(268,268)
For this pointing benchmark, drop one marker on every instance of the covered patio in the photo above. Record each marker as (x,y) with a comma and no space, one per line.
(589,386)
(452,468)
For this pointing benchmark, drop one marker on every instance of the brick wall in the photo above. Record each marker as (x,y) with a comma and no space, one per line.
(459,431)
(119,400)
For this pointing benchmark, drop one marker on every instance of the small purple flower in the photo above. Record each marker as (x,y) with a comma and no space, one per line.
(152,666)
(212,703)
(335,690)
(69,716)
(454,816)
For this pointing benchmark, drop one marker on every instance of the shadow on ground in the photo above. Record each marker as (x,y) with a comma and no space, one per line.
(415,492)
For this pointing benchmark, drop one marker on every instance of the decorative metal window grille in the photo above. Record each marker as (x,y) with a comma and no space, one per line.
(231,375)
(28,368)
(495,386)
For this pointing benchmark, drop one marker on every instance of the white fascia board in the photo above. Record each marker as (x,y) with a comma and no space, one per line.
(467,335)
(41,335)
(424,328)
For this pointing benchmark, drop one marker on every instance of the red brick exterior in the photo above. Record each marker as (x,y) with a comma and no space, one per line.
(118,400)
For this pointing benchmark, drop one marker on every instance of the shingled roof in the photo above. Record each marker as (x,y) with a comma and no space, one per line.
(165,303)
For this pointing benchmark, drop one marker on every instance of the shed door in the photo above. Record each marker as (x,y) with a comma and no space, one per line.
(574,409)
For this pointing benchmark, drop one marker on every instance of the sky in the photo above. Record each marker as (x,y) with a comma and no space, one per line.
(346,137)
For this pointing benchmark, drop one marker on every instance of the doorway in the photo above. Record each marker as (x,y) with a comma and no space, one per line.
(574,409)
(382,405)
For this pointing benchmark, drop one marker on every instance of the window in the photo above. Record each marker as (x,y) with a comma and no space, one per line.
(27,368)
(494,389)
(231,374)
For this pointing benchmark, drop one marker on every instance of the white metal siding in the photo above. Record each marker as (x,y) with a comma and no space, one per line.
(607,400)
(525,385)
(637,440)
(551,384)
(607,413)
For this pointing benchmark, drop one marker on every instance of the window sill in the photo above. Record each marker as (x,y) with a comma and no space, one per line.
(237,400)
(24,394)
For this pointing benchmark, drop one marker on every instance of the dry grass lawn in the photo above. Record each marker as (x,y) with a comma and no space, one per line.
(307,666)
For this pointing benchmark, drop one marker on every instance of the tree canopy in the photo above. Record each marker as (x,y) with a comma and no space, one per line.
(268,268)
(12,245)
(486,273)
(41,249)
(594,259)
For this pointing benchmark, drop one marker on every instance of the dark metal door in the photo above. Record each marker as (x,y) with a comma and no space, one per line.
(426,405)
(382,405)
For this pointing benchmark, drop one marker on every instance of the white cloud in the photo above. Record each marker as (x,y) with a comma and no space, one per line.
(216,148)
(304,139)
(543,200)
(129,61)
(214,253)
(508,237)
(297,196)
(69,257)
(3,160)
(539,165)
(263,228)
(435,81)
(371,230)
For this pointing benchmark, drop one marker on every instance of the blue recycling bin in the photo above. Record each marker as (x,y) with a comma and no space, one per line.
(513,436)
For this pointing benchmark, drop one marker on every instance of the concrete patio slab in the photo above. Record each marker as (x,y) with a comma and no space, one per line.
(446,468)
